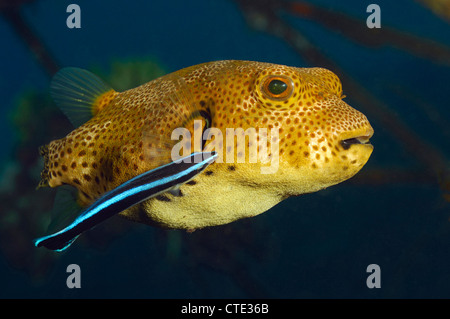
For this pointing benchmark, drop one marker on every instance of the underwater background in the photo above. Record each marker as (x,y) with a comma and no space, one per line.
(395,213)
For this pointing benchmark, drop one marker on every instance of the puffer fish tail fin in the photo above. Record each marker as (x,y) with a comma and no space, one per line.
(43,151)
(80,94)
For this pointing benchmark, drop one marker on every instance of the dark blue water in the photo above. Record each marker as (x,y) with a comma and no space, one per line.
(313,246)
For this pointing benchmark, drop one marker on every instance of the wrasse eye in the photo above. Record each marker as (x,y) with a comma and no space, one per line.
(277,87)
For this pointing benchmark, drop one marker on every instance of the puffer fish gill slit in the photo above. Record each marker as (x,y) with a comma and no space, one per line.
(322,140)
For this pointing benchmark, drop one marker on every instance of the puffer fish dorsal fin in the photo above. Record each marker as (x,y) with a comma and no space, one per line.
(80,94)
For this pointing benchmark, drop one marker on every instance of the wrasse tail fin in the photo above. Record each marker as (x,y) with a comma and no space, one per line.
(65,210)
(54,242)
(80,94)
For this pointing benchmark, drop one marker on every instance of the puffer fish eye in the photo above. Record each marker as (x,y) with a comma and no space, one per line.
(277,87)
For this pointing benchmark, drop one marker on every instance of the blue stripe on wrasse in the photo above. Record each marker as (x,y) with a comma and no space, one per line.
(128,194)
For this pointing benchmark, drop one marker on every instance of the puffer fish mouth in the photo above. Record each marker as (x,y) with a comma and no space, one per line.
(360,139)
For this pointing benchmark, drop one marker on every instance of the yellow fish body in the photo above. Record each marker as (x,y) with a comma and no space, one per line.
(320,140)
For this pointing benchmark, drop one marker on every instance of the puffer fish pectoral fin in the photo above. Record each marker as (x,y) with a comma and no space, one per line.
(182,96)
(140,188)
(80,94)
(185,108)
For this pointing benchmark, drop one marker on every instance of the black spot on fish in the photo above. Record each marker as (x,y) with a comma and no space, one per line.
(191,183)
(231,168)
(86,195)
(207,117)
(163,198)
(209,173)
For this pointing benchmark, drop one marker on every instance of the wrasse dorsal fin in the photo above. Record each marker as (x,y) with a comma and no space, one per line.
(80,94)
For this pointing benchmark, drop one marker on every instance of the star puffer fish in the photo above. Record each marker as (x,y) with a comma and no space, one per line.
(320,141)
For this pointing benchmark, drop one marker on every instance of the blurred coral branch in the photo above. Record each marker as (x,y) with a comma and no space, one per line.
(40,52)
(374,38)
(439,7)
